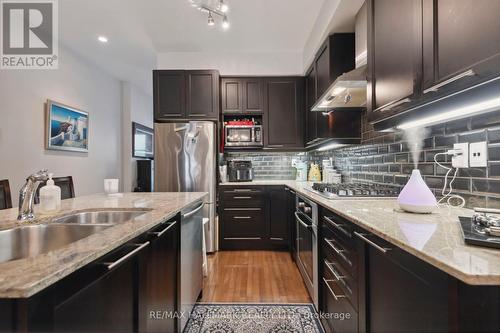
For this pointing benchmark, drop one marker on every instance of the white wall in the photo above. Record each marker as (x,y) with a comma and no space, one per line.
(235,63)
(137,107)
(22,122)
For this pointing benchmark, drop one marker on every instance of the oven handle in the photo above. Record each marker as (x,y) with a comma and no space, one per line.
(298,219)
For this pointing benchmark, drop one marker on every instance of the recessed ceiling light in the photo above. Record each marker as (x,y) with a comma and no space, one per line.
(102,39)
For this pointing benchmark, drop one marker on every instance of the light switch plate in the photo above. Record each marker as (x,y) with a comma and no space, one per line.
(478,154)
(462,160)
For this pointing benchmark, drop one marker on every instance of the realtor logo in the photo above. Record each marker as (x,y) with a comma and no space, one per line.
(29,34)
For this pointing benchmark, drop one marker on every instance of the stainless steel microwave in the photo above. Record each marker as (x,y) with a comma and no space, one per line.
(243,136)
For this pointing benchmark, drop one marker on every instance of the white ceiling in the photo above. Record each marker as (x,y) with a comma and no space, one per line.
(140,29)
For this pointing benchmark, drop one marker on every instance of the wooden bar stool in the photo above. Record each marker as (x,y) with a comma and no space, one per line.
(5,199)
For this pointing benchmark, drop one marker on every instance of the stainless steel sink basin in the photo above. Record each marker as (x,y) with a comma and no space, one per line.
(100,217)
(30,241)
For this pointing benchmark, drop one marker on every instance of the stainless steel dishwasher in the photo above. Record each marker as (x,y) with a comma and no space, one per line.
(191,263)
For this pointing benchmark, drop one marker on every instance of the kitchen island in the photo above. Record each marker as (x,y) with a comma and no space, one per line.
(110,278)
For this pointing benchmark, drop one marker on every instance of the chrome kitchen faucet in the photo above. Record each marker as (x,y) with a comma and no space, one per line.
(27,195)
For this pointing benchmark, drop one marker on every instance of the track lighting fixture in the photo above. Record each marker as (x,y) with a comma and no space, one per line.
(220,10)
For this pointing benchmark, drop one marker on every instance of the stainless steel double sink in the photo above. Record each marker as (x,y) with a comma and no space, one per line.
(30,241)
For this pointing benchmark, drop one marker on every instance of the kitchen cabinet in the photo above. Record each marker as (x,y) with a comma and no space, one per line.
(254,217)
(242,95)
(447,63)
(290,211)
(335,57)
(395,55)
(399,284)
(181,95)
(278,217)
(311,97)
(158,280)
(284,113)
(342,274)
(122,291)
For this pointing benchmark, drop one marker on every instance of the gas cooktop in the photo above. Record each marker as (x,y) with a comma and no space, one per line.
(354,190)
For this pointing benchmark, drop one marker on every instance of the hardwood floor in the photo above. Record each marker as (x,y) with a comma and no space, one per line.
(253,277)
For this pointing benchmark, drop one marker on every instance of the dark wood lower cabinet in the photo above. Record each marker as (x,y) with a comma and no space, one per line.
(158,280)
(253,218)
(132,289)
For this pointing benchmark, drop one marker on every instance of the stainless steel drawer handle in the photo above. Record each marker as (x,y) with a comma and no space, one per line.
(275,146)
(340,252)
(301,222)
(242,197)
(378,247)
(112,265)
(337,226)
(194,211)
(327,282)
(239,209)
(242,217)
(334,272)
(436,87)
(242,190)
(158,234)
(394,104)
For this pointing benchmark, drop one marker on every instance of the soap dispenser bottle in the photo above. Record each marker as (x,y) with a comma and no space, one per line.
(50,197)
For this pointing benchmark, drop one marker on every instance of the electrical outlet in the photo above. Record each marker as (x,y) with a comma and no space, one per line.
(478,154)
(462,160)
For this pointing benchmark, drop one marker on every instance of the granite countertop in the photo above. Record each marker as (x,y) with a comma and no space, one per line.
(23,278)
(435,238)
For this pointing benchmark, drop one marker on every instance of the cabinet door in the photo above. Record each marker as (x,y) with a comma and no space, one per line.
(158,280)
(311,97)
(405,294)
(202,94)
(395,43)
(323,69)
(169,94)
(253,95)
(231,95)
(102,298)
(466,33)
(284,104)
(278,216)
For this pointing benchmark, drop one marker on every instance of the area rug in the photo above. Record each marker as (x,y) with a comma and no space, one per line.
(253,318)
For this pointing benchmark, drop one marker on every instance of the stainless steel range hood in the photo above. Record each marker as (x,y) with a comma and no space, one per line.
(348,91)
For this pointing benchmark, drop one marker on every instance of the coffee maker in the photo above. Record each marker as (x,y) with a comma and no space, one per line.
(240,171)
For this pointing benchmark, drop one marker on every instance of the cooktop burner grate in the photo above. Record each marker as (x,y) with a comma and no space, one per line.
(355,190)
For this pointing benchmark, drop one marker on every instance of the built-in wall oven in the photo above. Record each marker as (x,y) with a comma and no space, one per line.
(306,221)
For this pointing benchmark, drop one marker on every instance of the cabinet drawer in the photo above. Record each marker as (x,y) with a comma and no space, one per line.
(349,286)
(339,250)
(243,199)
(339,315)
(241,223)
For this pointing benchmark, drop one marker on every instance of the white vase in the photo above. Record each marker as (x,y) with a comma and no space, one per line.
(416,197)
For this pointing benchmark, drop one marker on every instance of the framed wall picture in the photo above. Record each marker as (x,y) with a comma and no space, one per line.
(67,128)
(142,141)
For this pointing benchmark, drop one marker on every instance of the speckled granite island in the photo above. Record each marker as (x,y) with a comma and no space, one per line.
(105,281)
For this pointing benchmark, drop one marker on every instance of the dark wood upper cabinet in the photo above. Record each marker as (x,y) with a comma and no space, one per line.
(180,94)
(460,35)
(169,94)
(311,97)
(395,54)
(242,95)
(202,94)
(284,112)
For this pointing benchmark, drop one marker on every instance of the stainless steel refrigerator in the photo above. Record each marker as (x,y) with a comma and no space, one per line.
(185,161)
